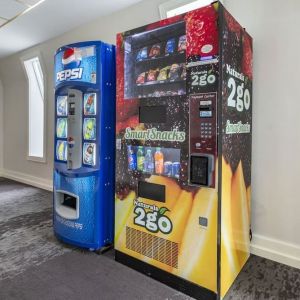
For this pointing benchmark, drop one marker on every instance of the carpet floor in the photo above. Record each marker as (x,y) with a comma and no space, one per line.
(34,265)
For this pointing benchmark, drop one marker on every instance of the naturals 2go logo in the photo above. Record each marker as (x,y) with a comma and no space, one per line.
(203,78)
(239,96)
(152,218)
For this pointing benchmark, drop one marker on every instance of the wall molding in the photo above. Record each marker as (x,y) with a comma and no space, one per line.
(41,183)
(279,251)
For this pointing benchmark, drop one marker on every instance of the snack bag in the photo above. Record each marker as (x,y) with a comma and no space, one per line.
(182,43)
(141,78)
(170,46)
(174,72)
(163,74)
(152,75)
(142,54)
(155,50)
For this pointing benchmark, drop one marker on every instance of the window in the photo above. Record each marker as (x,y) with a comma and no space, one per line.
(176,7)
(36,109)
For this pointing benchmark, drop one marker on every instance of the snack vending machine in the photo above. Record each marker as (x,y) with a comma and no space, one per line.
(84,144)
(183,150)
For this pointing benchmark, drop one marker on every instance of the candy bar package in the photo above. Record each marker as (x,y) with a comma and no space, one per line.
(174,72)
(170,46)
(152,75)
(142,54)
(182,43)
(155,50)
(141,78)
(163,74)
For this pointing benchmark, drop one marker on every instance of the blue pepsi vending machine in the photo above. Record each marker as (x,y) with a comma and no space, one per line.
(84,144)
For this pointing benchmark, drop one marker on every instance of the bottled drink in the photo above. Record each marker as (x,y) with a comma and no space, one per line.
(131,158)
(149,162)
(140,158)
(176,169)
(159,161)
(168,168)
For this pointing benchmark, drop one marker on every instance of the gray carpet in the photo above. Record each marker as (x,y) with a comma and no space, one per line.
(26,236)
(34,265)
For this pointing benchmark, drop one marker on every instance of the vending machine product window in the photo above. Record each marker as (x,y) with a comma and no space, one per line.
(61,106)
(154,62)
(89,154)
(61,128)
(89,128)
(90,104)
(61,150)
(154,160)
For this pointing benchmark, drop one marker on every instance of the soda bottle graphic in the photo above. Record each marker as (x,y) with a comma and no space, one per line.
(159,161)
(131,158)
(149,162)
(140,158)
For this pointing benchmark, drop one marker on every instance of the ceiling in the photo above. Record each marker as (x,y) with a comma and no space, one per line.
(28,25)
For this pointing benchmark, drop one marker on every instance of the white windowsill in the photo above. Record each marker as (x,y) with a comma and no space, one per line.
(37,159)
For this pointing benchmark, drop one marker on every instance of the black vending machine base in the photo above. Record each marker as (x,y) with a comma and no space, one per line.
(171,280)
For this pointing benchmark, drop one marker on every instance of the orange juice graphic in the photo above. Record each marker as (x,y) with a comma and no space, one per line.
(159,161)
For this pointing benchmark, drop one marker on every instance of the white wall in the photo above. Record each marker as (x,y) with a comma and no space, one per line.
(276,135)
(1,126)
(274,25)
(15,92)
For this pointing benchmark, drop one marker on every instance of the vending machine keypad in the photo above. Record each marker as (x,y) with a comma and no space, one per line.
(206,130)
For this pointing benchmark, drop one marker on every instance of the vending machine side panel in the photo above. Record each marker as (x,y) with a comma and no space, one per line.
(105,210)
(235,144)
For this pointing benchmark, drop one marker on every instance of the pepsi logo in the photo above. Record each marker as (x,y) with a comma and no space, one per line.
(71,58)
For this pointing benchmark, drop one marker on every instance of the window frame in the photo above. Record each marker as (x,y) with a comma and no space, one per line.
(173,4)
(24,58)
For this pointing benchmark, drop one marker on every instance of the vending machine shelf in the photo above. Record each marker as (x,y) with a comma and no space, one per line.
(158,59)
(151,83)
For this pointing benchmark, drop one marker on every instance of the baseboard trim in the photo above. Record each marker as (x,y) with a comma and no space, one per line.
(41,183)
(282,252)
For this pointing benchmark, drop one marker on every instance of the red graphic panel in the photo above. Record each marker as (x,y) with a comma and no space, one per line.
(202,32)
